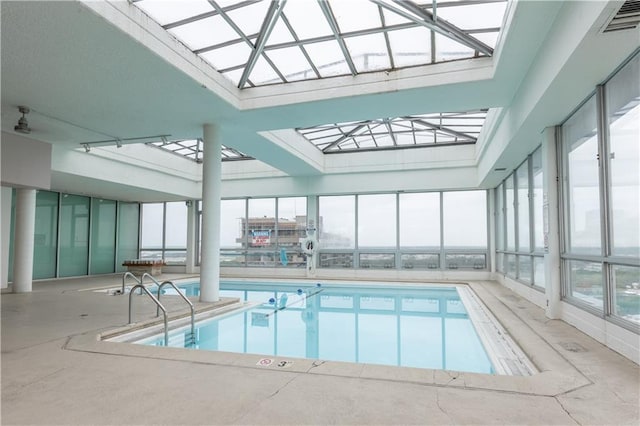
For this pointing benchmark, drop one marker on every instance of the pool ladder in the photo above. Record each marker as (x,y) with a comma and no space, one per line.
(191,339)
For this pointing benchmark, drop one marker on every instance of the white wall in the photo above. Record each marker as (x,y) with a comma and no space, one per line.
(25,162)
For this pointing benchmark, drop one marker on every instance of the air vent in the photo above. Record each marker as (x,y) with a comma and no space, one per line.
(627,18)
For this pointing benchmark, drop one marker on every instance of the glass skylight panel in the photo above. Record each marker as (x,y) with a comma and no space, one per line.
(192,149)
(328,58)
(292,63)
(167,11)
(302,44)
(400,132)
(204,32)
(263,73)
(449,50)
(411,46)
(471,16)
(354,15)
(249,18)
(228,56)
(369,52)
(307,19)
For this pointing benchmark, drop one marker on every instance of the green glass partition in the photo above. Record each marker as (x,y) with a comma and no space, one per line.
(128,226)
(74,235)
(45,235)
(103,236)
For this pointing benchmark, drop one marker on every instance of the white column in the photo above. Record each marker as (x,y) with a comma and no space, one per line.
(210,244)
(551,220)
(192,219)
(23,240)
(5,231)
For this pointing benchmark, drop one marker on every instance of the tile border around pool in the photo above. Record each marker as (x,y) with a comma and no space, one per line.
(556,375)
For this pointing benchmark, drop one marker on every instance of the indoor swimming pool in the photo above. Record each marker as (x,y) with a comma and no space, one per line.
(424,327)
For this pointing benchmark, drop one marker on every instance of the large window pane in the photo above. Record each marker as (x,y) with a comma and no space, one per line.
(538,199)
(74,235)
(128,229)
(232,220)
(337,221)
(292,221)
(176,233)
(626,281)
(500,217)
(581,145)
(509,208)
(538,272)
(152,226)
(585,282)
(465,219)
(261,225)
(420,220)
(377,220)
(522,177)
(45,238)
(623,100)
(103,236)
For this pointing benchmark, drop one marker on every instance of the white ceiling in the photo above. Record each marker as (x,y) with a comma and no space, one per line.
(86,79)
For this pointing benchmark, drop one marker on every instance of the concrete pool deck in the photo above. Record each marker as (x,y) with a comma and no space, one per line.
(56,371)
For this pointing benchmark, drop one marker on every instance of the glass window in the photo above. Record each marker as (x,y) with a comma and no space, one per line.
(292,221)
(152,226)
(538,200)
(128,228)
(377,260)
(585,282)
(261,224)
(510,265)
(103,236)
(45,240)
(509,208)
(175,240)
(581,145)
(626,286)
(337,221)
(500,217)
(377,220)
(524,268)
(522,178)
(538,272)
(336,260)
(232,221)
(623,101)
(420,220)
(74,235)
(465,219)
(419,261)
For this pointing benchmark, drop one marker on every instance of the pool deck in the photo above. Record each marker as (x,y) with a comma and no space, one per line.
(56,371)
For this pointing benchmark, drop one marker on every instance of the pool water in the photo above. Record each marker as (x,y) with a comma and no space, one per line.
(413,327)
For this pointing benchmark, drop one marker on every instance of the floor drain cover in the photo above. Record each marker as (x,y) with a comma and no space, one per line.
(573,347)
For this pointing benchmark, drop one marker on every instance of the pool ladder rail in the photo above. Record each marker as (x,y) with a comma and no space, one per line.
(191,340)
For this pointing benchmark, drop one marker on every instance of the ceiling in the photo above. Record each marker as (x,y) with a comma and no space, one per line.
(101,70)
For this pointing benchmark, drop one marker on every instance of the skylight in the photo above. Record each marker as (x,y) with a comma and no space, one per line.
(193,149)
(435,129)
(260,42)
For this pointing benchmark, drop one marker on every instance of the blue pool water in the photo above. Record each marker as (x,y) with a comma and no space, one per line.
(425,328)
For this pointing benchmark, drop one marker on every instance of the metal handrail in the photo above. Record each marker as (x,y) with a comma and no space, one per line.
(193,327)
(158,304)
(129,274)
(146,274)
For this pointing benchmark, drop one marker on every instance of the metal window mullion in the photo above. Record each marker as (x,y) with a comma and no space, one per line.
(386,38)
(488,253)
(532,244)
(300,45)
(397,257)
(117,237)
(605,200)
(516,224)
(442,253)
(563,205)
(275,224)
(90,233)
(356,255)
(245,231)
(164,228)
(331,20)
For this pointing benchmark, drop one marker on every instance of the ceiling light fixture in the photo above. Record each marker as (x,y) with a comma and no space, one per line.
(23,124)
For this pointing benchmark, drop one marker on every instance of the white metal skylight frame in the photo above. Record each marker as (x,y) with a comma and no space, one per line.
(262,42)
(412,131)
(193,149)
